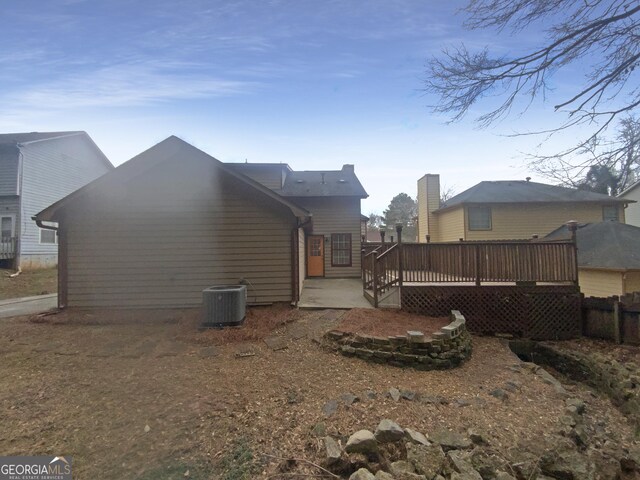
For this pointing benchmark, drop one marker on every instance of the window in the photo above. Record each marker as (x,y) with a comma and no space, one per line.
(6,228)
(610,213)
(479,218)
(48,236)
(341,250)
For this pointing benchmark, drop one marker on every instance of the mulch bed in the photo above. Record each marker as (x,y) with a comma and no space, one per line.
(386,322)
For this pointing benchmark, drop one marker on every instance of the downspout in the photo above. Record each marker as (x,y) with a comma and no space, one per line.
(20,211)
(295,259)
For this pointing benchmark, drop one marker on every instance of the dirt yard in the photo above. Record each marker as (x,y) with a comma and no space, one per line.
(147,396)
(28,283)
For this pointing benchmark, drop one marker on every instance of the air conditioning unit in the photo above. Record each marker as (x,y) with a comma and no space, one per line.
(224,305)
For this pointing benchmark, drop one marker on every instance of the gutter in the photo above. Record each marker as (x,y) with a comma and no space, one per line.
(42,225)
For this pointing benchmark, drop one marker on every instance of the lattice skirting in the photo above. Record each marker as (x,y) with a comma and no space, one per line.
(537,312)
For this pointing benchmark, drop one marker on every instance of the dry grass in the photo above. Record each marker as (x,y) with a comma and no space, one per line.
(28,283)
(83,386)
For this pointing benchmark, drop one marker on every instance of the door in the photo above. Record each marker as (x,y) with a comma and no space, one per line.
(315,256)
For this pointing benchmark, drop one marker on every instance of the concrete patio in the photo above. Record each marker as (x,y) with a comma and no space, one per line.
(341,293)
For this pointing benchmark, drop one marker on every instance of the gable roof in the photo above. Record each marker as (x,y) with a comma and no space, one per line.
(311,183)
(609,245)
(170,148)
(323,183)
(629,189)
(521,191)
(15,140)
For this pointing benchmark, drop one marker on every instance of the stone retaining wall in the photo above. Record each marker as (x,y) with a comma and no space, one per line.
(446,348)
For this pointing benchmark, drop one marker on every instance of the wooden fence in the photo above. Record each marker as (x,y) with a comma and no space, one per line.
(613,318)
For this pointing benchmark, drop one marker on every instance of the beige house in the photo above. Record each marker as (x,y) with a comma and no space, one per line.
(632,214)
(608,257)
(158,229)
(508,210)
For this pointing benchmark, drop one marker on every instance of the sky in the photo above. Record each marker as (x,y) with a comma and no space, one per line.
(312,83)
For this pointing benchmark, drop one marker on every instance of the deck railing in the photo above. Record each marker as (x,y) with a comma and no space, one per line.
(494,262)
(8,247)
(510,262)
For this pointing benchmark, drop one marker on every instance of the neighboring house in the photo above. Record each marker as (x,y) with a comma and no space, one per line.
(508,210)
(608,257)
(632,214)
(173,220)
(37,169)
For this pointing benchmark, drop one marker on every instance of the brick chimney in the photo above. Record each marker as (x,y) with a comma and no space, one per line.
(428,202)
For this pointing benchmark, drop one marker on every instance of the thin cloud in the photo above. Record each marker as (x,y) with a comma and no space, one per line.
(128,85)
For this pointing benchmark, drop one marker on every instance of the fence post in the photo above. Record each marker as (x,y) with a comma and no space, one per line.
(400,262)
(375,279)
(477,251)
(382,232)
(617,337)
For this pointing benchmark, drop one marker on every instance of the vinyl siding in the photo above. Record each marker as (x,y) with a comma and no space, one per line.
(632,282)
(8,171)
(600,283)
(523,221)
(165,237)
(51,170)
(450,225)
(336,215)
(632,212)
(270,176)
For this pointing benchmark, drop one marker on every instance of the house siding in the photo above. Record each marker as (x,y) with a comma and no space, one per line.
(268,175)
(161,239)
(336,215)
(451,225)
(600,283)
(9,164)
(632,212)
(631,282)
(523,221)
(51,170)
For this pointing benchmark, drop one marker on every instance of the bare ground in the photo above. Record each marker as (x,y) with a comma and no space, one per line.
(144,395)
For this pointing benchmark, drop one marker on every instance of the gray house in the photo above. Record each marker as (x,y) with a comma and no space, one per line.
(37,169)
(173,220)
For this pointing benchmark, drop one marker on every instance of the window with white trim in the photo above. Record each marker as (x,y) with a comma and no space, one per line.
(341,250)
(47,236)
(479,218)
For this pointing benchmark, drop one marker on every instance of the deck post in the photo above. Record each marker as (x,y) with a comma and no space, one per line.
(375,277)
(382,232)
(572,225)
(400,262)
(478,276)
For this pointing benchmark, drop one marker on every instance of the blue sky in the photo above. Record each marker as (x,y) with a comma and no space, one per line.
(312,83)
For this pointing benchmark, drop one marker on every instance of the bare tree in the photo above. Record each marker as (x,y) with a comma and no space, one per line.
(599,37)
(447,192)
(597,161)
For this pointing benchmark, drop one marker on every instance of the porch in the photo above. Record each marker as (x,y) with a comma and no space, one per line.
(338,293)
(8,247)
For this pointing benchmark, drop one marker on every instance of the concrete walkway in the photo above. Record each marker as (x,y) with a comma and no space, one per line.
(14,307)
(341,293)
